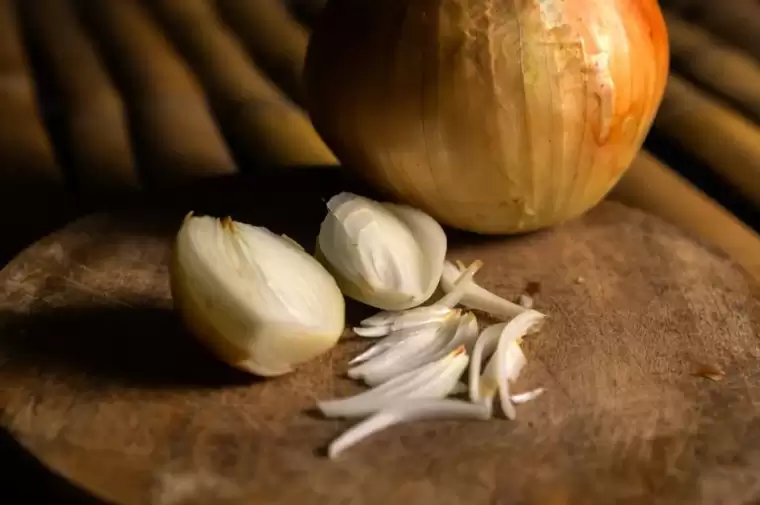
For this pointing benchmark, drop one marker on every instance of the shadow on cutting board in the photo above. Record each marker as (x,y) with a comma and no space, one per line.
(141,347)
(26,480)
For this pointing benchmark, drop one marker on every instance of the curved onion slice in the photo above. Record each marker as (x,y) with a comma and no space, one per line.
(414,344)
(508,361)
(406,354)
(386,322)
(389,341)
(372,331)
(476,297)
(500,341)
(414,377)
(485,345)
(464,336)
(514,361)
(490,384)
(418,315)
(528,396)
(423,355)
(436,382)
(407,411)
(467,332)
(461,285)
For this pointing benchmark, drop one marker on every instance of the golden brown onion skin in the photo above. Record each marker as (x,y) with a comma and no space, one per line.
(494,116)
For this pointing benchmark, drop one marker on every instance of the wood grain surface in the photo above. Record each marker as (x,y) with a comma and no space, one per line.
(100,382)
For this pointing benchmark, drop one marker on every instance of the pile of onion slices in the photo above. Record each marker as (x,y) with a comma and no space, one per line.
(421,357)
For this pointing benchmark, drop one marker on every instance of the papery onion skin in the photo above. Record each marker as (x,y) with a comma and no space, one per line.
(493,117)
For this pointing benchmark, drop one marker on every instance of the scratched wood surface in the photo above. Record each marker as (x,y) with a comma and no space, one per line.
(100,382)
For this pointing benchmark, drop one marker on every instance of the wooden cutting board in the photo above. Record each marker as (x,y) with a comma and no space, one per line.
(99,381)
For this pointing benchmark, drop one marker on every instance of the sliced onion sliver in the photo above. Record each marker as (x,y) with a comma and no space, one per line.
(489,381)
(398,361)
(488,384)
(406,318)
(419,342)
(439,384)
(478,298)
(528,396)
(449,338)
(485,345)
(372,331)
(461,285)
(407,411)
(392,387)
(467,332)
(514,361)
(420,316)
(389,341)
(514,330)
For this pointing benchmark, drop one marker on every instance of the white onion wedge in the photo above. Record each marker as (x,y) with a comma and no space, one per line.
(403,412)
(476,297)
(436,383)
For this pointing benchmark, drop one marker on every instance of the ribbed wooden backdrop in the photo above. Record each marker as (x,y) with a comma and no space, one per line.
(104,98)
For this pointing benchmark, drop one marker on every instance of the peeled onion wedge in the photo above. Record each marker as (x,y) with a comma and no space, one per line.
(256,299)
(384,255)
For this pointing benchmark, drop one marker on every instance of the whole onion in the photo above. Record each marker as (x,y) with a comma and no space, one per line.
(492,116)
